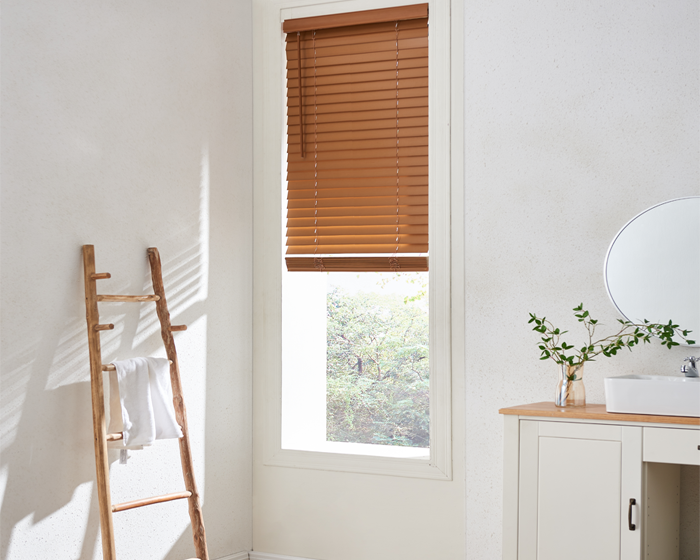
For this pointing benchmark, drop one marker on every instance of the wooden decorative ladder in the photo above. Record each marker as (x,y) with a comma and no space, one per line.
(101,436)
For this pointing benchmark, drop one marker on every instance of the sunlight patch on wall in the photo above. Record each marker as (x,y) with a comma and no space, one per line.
(14,393)
(36,539)
(71,360)
(3,482)
(182,276)
(204,187)
(186,275)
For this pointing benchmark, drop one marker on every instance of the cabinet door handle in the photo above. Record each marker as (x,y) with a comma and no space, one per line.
(632,526)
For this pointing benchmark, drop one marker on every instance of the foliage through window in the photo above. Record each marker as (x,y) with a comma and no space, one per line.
(377,367)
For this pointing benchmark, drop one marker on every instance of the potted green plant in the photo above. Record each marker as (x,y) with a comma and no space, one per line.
(570,390)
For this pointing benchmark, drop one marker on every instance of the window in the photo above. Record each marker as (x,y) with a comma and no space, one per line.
(298,395)
(357,202)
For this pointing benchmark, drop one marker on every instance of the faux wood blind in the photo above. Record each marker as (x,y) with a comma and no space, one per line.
(357,141)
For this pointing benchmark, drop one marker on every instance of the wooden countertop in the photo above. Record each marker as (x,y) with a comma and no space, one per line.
(593,412)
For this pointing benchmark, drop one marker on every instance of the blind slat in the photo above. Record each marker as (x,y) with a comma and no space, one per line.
(364,125)
(359,173)
(309,52)
(381,229)
(360,192)
(357,202)
(352,155)
(340,60)
(309,91)
(366,162)
(360,144)
(361,106)
(362,135)
(323,39)
(308,72)
(355,221)
(375,239)
(388,212)
(361,116)
(387,249)
(364,96)
(359,182)
(349,77)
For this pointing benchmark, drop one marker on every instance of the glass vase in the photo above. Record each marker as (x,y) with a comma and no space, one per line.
(570,390)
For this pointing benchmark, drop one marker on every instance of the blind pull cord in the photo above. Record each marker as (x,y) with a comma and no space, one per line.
(318,261)
(393,260)
(301,97)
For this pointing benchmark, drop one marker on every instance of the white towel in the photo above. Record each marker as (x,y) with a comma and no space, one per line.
(141,402)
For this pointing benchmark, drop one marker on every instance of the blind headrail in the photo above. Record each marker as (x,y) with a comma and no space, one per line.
(414,11)
(357,264)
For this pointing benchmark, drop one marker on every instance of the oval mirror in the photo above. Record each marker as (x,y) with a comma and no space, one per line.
(652,269)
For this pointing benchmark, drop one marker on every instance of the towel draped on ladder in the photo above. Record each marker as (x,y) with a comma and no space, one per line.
(141,402)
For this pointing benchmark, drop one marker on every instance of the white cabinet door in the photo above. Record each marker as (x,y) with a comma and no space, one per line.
(575,485)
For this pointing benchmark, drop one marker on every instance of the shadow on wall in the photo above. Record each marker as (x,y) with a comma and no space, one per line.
(46,446)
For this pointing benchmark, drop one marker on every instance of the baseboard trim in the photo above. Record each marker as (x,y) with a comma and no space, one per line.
(268,556)
(238,556)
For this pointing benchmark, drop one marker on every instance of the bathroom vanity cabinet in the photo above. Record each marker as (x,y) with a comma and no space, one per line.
(583,483)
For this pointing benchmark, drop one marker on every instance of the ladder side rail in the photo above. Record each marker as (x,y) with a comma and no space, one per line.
(98,409)
(195,508)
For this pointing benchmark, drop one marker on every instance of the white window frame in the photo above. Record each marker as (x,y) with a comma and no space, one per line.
(445,227)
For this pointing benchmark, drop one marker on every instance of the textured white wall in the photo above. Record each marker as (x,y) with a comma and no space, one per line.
(578,115)
(126,125)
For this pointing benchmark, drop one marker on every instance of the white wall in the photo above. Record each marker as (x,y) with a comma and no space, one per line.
(578,115)
(126,125)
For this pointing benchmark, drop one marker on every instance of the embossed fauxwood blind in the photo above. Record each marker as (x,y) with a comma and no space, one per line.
(357,141)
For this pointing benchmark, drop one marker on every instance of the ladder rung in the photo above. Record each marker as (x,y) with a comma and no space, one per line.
(107,327)
(100,275)
(115,437)
(175,328)
(103,297)
(112,367)
(148,501)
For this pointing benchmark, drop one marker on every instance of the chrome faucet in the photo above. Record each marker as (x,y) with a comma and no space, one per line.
(692,369)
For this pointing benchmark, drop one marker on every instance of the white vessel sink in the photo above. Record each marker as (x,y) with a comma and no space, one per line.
(653,394)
